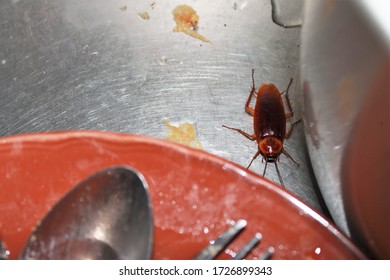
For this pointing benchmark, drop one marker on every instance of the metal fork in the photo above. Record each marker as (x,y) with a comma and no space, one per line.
(216,246)
(4,253)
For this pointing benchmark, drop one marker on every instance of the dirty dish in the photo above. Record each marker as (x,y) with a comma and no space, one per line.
(194,195)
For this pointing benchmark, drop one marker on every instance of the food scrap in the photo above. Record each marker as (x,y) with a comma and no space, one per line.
(184,134)
(163,60)
(123,8)
(187,21)
(144,15)
(240,6)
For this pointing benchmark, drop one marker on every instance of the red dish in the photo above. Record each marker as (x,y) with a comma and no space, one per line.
(195,195)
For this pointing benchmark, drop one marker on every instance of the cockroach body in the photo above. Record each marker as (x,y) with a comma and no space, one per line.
(269,123)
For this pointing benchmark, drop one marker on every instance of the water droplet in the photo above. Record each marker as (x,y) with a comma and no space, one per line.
(181,230)
(224,167)
(173,202)
(317,250)
(206,230)
(230,253)
(230,222)
(161,202)
(294,253)
(160,194)
(280,246)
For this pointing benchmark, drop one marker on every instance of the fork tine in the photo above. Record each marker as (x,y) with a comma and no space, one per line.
(268,254)
(248,247)
(4,253)
(216,246)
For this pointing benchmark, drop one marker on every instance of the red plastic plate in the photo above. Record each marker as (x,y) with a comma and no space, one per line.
(195,195)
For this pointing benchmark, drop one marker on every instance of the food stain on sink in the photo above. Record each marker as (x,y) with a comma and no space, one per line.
(184,134)
(187,22)
(144,15)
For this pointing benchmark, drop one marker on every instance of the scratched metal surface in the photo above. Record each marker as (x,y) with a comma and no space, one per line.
(90,65)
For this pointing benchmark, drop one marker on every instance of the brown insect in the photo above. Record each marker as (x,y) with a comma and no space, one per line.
(269,123)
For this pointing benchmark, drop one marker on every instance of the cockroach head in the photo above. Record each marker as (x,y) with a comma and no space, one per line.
(270,147)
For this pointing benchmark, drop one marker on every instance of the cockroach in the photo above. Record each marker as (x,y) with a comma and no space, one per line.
(269,123)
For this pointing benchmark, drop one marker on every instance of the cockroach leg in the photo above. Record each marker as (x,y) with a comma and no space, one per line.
(248,108)
(291,111)
(289,132)
(246,134)
(288,88)
(290,157)
(254,157)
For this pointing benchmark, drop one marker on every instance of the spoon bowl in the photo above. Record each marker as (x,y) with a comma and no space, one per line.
(106,216)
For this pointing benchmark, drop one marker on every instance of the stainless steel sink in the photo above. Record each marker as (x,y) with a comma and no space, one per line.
(98,65)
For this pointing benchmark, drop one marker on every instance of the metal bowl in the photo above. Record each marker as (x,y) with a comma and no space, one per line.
(345,82)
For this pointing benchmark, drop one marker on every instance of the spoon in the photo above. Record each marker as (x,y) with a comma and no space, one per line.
(106,216)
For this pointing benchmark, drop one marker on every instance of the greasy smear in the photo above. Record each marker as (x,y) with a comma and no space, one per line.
(187,21)
(184,134)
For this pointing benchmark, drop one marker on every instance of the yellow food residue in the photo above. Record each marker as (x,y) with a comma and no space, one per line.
(184,134)
(187,21)
(144,15)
